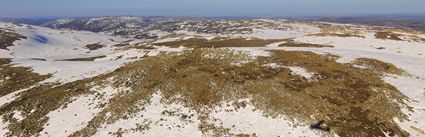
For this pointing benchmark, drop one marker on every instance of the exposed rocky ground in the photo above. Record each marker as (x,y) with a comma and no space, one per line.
(139,76)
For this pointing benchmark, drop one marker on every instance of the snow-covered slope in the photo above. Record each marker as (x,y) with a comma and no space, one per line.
(200,77)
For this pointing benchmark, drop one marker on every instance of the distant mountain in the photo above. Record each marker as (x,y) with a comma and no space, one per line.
(416,23)
(127,26)
(147,27)
(31,21)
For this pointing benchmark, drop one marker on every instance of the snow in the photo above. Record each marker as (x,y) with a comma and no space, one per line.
(168,49)
(414,88)
(74,117)
(158,123)
(11,96)
(68,71)
(59,44)
(273,65)
(53,45)
(5,54)
(3,126)
(413,65)
(249,121)
(127,54)
(77,114)
(17,115)
(296,30)
(274,45)
(370,43)
(252,51)
(168,39)
(302,72)
(64,20)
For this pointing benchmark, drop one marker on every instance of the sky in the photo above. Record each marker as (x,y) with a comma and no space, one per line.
(207,8)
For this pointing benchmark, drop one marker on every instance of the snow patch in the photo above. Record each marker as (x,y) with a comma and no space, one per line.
(68,71)
(77,114)
(370,43)
(11,96)
(301,71)
(273,65)
(155,121)
(414,88)
(252,51)
(247,120)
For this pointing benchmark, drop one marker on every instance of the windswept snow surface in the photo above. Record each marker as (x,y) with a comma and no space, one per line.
(412,86)
(76,114)
(157,124)
(47,43)
(247,120)
(44,48)
(370,43)
(68,71)
(296,30)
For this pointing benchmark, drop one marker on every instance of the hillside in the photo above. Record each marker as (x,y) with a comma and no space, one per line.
(157,76)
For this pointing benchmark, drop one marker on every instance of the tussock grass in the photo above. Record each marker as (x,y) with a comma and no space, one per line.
(7,37)
(387,35)
(94,46)
(83,59)
(352,101)
(37,102)
(337,31)
(379,66)
(292,43)
(14,78)
(399,34)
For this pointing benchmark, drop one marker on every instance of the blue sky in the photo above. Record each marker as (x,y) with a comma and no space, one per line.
(54,8)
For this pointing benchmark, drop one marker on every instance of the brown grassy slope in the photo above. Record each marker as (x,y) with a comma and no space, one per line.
(94,46)
(14,78)
(378,66)
(83,59)
(291,43)
(7,38)
(350,103)
(337,31)
(387,35)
